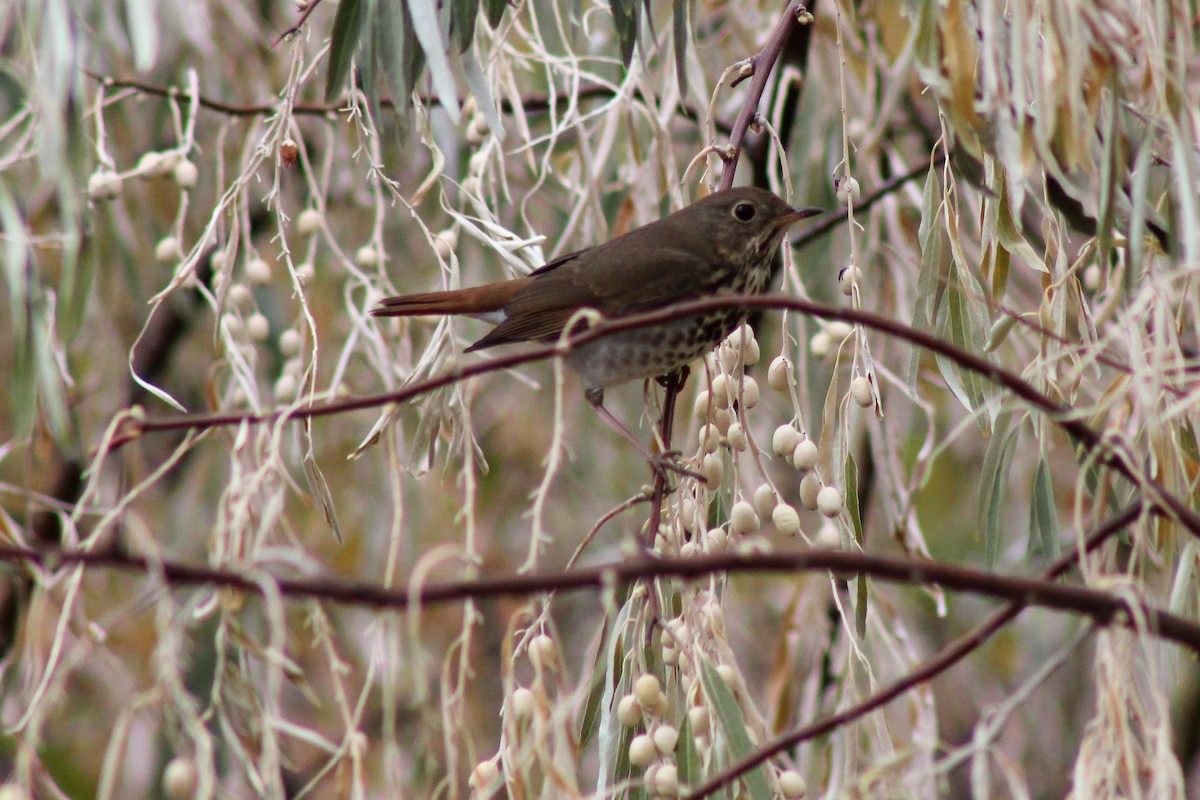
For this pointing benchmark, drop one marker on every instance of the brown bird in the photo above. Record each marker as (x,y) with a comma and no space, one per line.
(721,245)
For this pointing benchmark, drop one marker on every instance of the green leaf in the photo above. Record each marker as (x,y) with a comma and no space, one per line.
(349,27)
(143,32)
(427,25)
(733,724)
(494,10)
(993,483)
(462,22)
(679,16)
(625,18)
(687,757)
(1043,518)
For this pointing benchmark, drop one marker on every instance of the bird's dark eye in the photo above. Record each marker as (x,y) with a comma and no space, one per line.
(744,212)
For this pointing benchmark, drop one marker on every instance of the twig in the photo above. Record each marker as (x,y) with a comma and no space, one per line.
(942,661)
(1058,413)
(1105,608)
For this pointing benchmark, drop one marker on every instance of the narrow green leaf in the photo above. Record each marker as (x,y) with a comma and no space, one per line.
(993,483)
(142,23)
(679,15)
(733,724)
(1043,519)
(625,19)
(494,10)
(349,27)
(462,22)
(687,757)
(427,25)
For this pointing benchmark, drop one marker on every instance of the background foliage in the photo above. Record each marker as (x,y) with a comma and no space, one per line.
(198,211)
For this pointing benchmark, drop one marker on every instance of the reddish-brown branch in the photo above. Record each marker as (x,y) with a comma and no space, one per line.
(760,66)
(942,661)
(1058,413)
(1104,608)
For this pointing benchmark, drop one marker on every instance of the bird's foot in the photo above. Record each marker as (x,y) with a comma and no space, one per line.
(664,464)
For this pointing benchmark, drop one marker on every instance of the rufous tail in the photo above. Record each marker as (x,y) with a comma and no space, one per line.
(475,300)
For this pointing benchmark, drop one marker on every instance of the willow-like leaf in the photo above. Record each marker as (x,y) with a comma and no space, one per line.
(349,27)
(733,725)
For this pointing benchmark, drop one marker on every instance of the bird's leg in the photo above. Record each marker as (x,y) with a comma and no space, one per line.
(661,463)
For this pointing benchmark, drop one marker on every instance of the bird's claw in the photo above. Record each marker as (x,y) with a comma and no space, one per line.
(668,462)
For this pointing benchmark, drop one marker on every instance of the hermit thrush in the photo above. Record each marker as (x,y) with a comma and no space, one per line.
(721,245)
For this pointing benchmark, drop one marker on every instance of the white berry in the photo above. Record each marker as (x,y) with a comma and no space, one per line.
(258,271)
(819,344)
(764,500)
(786,519)
(791,785)
(829,501)
(367,257)
(805,455)
(665,738)
(860,391)
(742,518)
(629,713)
(309,224)
(103,184)
(167,250)
(784,440)
(828,537)
(642,751)
(778,374)
(179,779)
(185,174)
(810,486)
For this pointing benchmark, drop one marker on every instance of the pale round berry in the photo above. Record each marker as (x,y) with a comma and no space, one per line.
(810,486)
(786,519)
(839,330)
(185,174)
(779,374)
(103,184)
(665,738)
(241,296)
(791,785)
(167,250)
(258,327)
(217,262)
(309,224)
(742,518)
(367,257)
(848,191)
(522,703)
(828,537)
(285,388)
(713,470)
(750,350)
(698,719)
(829,501)
(484,776)
(289,343)
(784,440)
(750,392)
(710,438)
(860,391)
(647,690)
(727,675)
(445,243)
(722,390)
(233,325)
(642,751)
(820,344)
(180,778)
(715,541)
(306,272)
(1092,278)
(736,437)
(666,781)
(764,500)
(701,406)
(258,271)
(805,455)
(471,185)
(155,164)
(849,278)
(629,713)
(542,651)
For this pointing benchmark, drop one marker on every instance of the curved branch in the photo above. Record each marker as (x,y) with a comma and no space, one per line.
(1105,608)
(1058,413)
(945,659)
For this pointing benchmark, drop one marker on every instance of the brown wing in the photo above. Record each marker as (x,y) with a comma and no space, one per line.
(615,279)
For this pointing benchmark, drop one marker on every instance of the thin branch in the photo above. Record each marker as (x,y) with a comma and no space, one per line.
(1060,414)
(760,66)
(1104,608)
(949,656)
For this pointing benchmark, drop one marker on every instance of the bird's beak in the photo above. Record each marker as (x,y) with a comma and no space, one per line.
(798,214)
